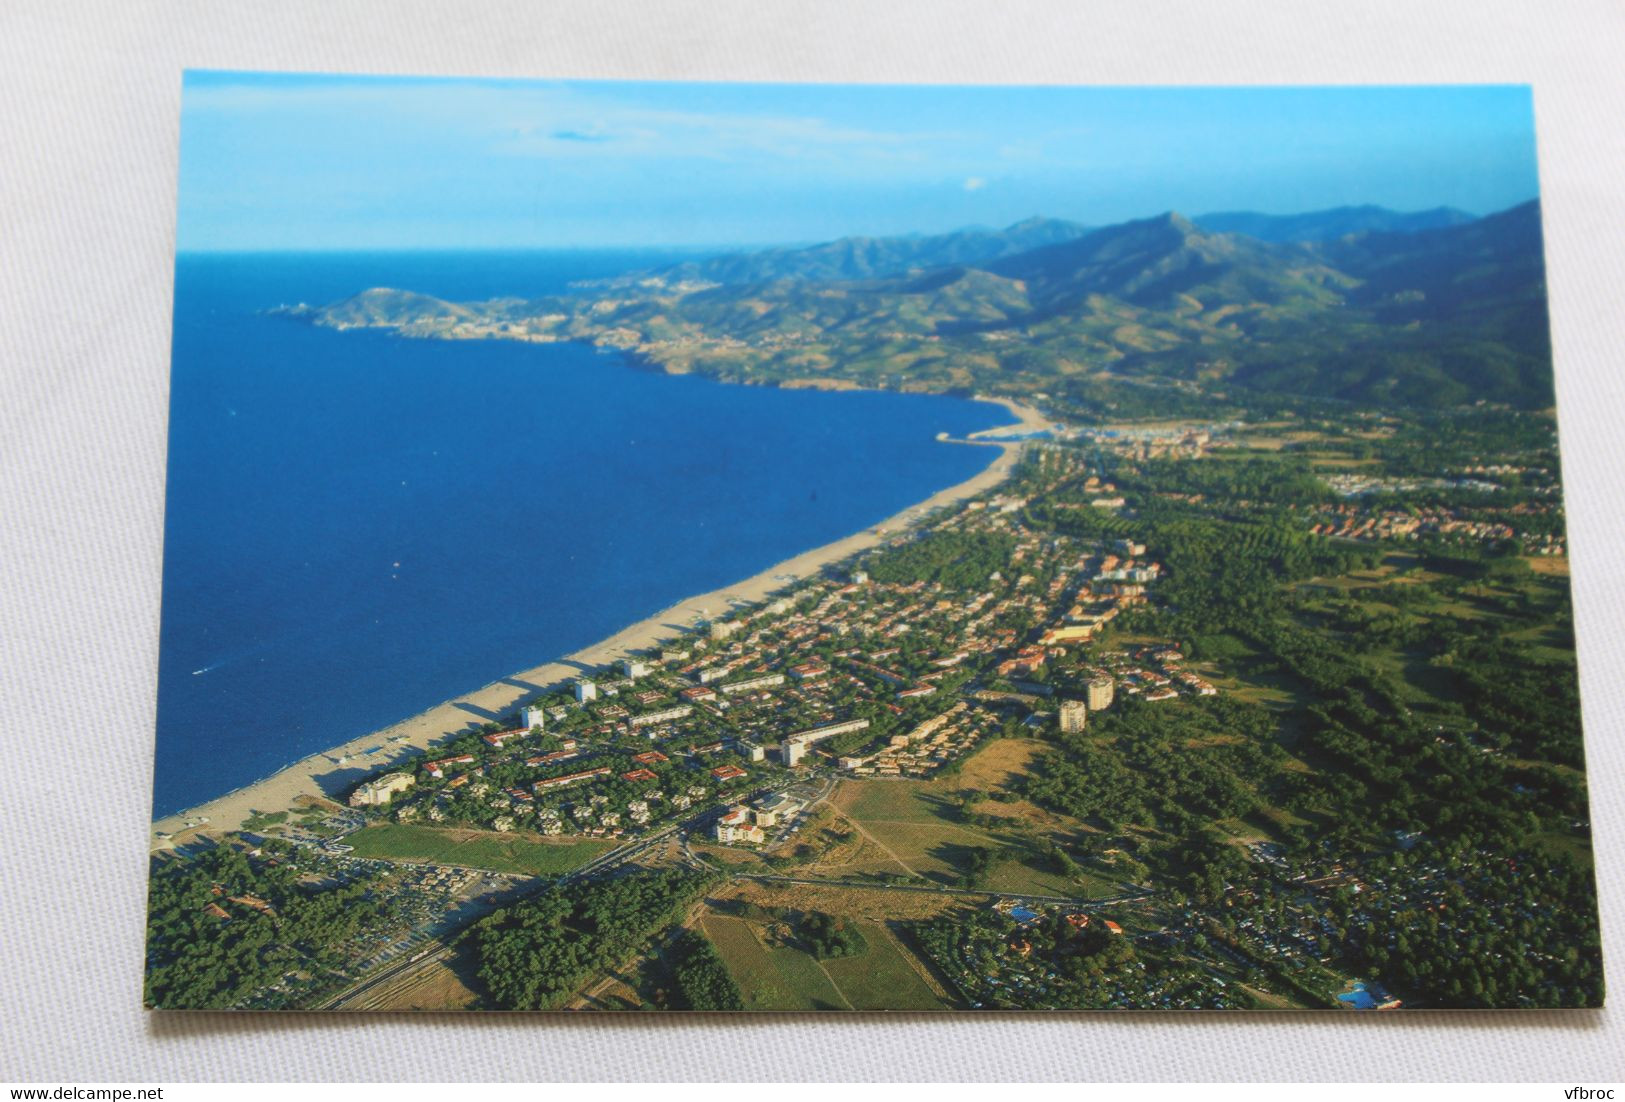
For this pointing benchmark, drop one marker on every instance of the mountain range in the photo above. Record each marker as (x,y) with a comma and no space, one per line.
(1329,225)
(860,257)
(1432,308)
(878,257)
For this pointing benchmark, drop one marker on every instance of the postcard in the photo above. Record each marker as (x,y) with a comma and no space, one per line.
(725,547)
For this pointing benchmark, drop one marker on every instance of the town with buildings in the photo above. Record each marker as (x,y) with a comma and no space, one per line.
(847,674)
(1013,719)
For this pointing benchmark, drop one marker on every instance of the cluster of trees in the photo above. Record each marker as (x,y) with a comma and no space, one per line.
(959,560)
(701,979)
(1282,480)
(828,936)
(1426,444)
(197,960)
(976,865)
(1200,865)
(1097,397)
(1533,704)
(1447,925)
(1496,932)
(1515,696)
(1404,762)
(1155,765)
(535,954)
(1225,571)
(1226,588)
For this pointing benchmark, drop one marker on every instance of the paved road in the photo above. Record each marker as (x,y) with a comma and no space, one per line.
(1134,897)
(387,974)
(800,817)
(693,858)
(620,855)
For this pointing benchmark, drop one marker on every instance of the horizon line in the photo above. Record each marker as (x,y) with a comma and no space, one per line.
(744,246)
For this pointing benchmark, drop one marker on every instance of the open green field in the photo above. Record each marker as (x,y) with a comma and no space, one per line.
(781,977)
(523,854)
(884,978)
(770,979)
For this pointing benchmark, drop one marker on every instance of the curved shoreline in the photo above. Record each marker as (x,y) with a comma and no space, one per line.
(328,772)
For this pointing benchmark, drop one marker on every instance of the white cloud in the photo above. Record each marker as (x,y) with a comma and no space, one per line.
(974,183)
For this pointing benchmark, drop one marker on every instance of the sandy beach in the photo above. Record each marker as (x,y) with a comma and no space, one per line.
(329,773)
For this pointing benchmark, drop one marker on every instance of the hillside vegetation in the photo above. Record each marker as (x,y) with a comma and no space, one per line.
(1434,312)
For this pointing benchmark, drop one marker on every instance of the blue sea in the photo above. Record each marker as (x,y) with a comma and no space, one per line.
(360,526)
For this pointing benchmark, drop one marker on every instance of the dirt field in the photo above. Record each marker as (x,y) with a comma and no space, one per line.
(872,904)
(736,858)
(998,765)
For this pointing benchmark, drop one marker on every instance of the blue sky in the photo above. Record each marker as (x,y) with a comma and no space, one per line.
(294,161)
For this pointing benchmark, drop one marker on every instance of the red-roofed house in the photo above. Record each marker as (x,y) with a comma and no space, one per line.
(438,768)
(497,738)
(570,778)
(735,826)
